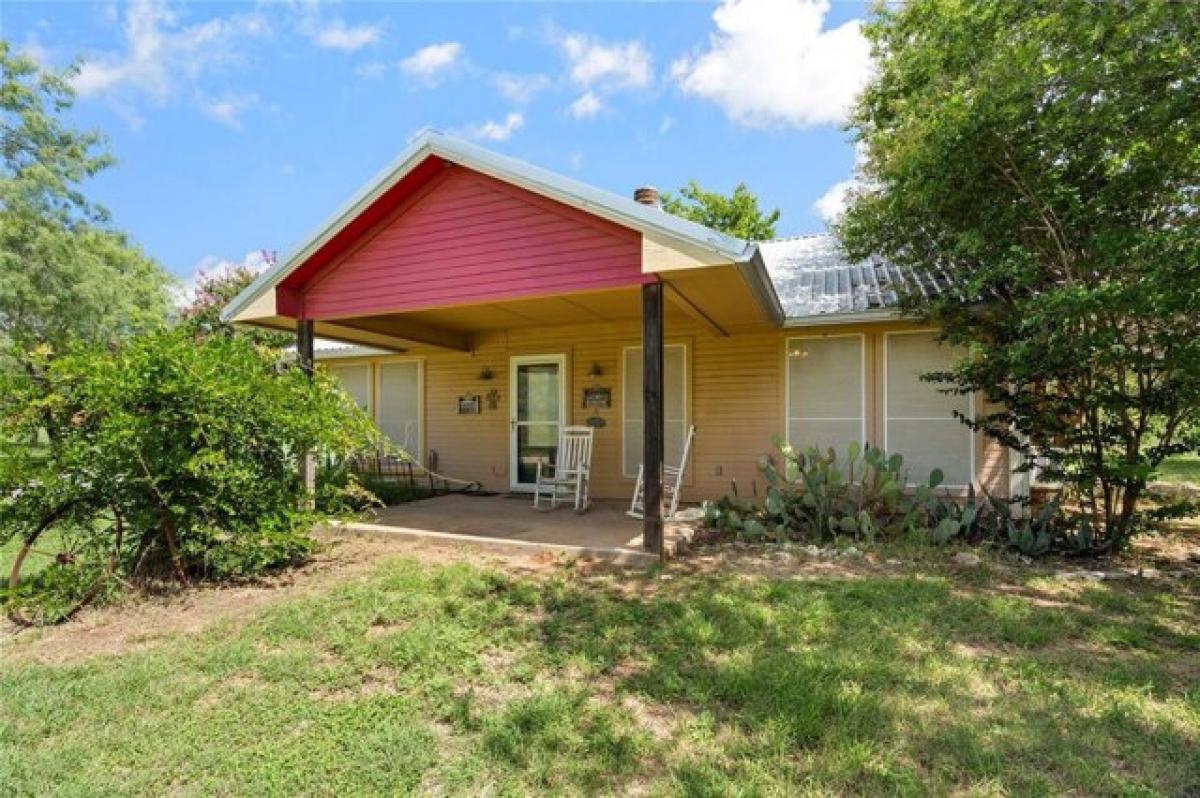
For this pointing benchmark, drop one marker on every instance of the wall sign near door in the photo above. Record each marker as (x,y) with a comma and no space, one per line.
(597,397)
(470,405)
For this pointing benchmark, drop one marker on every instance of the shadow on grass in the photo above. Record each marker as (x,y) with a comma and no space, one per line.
(461,680)
(892,683)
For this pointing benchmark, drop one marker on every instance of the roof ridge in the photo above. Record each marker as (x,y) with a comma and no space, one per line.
(800,237)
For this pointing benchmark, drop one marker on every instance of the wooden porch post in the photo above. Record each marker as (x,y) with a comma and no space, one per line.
(652,416)
(304,357)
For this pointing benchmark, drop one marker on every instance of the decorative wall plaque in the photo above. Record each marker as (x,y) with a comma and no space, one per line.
(493,399)
(470,405)
(596,422)
(597,397)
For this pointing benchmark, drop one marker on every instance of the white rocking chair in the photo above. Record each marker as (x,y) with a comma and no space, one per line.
(569,475)
(672,481)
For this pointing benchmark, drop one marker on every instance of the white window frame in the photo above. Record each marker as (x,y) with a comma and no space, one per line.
(687,406)
(886,417)
(787,387)
(377,389)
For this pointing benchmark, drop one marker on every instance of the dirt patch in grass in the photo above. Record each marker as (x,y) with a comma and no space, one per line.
(142,620)
(1175,553)
(220,691)
(377,681)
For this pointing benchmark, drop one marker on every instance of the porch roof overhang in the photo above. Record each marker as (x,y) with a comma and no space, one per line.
(671,246)
(718,300)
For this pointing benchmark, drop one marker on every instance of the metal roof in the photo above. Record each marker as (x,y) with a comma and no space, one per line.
(325,348)
(813,278)
(621,210)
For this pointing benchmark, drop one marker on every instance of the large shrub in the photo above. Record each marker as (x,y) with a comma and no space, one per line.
(819,495)
(1045,156)
(171,450)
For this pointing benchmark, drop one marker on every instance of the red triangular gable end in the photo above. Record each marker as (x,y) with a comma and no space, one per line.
(446,235)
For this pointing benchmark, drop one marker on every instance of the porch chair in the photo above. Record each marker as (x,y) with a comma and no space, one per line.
(672,481)
(568,476)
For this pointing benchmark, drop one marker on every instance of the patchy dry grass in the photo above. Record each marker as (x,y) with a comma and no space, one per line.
(443,677)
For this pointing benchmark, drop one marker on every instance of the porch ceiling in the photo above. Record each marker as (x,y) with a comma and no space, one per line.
(716,298)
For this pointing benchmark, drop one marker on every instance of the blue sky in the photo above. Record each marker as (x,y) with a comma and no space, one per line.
(241,126)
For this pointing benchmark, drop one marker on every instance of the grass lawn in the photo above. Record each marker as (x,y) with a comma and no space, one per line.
(41,556)
(1181,468)
(451,678)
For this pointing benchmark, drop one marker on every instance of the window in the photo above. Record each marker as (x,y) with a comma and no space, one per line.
(396,407)
(826,392)
(675,423)
(356,381)
(398,414)
(919,420)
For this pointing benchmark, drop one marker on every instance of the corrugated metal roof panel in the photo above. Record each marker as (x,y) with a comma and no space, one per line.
(813,277)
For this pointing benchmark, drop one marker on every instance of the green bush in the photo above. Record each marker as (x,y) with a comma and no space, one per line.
(171,451)
(816,496)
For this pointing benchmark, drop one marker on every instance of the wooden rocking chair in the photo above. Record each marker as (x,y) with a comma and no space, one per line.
(672,481)
(568,476)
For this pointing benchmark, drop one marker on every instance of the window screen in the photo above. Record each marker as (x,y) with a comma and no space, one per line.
(919,419)
(825,393)
(356,381)
(674,406)
(399,411)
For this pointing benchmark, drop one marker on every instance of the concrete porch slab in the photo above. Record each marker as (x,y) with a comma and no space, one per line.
(511,523)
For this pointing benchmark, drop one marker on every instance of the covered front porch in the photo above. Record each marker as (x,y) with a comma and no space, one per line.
(512,302)
(509,522)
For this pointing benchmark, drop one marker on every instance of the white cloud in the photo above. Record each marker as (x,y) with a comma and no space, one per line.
(161,55)
(665,125)
(35,51)
(576,160)
(337,35)
(432,62)
(771,63)
(586,106)
(608,66)
(832,204)
(496,131)
(521,88)
(228,109)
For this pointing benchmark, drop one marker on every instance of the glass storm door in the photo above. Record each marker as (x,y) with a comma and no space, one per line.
(536,411)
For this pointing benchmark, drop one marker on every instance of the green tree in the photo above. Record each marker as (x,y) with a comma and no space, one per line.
(1045,157)
(173,451)
(65,274)
(738,214)
(202,315)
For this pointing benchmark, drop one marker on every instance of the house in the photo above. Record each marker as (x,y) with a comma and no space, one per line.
(473,303)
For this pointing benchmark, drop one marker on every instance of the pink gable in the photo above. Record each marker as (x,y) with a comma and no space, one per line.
(465,238)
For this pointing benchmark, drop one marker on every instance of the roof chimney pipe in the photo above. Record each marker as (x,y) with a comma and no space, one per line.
(647,195)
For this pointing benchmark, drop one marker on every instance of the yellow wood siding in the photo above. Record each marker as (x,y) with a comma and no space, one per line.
(736,401)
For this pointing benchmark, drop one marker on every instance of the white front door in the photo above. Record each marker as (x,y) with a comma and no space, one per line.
(539,399)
